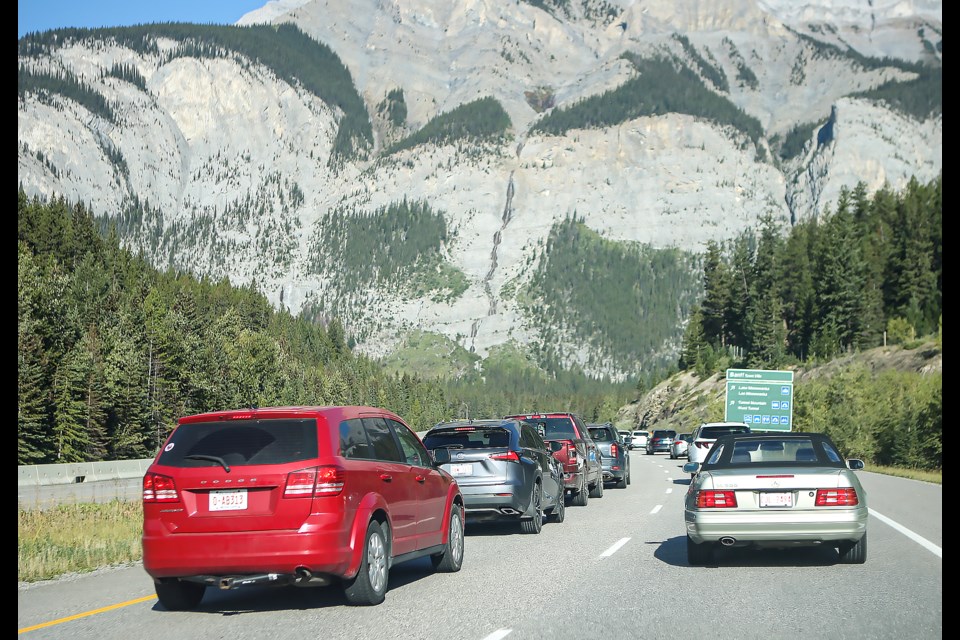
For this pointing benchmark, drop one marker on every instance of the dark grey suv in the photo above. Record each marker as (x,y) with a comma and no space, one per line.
(614,456)
(660,440)
(504,469)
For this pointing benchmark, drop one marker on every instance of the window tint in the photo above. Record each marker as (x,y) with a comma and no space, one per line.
(529,435)
(468,438)
(413,451)
(601,434)
(712,433)
(382,441)
(353,440)
(715,453)
(242,442)
(832,453)
(557,428)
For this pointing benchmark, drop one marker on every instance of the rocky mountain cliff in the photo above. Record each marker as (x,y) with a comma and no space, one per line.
(667,123)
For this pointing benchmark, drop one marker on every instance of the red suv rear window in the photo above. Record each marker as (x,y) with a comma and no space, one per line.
(241,442)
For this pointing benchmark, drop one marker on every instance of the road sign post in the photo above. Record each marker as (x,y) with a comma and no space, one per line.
(760,398)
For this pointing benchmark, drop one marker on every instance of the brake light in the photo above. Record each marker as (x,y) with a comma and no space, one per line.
(709,499)
(845,497)
(509,455)
(320,481)
(702,445)
(571,452)
(158,488)
(613,450)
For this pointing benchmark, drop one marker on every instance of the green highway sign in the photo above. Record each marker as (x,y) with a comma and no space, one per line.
(762,399)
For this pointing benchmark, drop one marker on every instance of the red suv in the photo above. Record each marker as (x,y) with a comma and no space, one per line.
(576,451)
(295,495)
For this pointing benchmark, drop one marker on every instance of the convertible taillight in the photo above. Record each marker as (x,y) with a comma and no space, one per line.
(845,497)
(710,499)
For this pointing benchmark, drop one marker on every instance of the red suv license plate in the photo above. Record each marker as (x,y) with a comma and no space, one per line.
(231,500)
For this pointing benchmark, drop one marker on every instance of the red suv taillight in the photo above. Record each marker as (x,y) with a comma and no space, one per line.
(571,452)
(307,483)
(709,499)
(509,455)
(837,497)
(158,488)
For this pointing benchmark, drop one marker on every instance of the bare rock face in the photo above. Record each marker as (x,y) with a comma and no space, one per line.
(207,139)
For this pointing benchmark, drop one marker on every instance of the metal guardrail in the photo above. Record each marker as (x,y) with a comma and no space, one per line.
(79,472)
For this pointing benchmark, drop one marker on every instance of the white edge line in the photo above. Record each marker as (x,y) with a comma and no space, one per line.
(498,634)
(669,489)
(923,542)
(656,508)
(616,546)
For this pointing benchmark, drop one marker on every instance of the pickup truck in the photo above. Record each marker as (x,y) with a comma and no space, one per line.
(577,453)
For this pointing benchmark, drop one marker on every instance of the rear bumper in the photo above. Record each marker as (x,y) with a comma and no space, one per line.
(180,555)
(493,501)
(610,473)
(777,528)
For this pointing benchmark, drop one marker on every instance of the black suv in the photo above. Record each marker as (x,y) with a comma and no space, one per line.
(614,456)
(660,440)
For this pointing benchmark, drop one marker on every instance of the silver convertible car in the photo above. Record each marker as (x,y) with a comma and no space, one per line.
(776,491)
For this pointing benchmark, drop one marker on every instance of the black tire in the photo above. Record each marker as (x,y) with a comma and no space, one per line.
(628,475)
(559,511)
(451,559)
(854,552)
(597,490)
(178,595)
(582,497)
(369,586)
(698,554)
(649,453)
(535,523)
(624,480)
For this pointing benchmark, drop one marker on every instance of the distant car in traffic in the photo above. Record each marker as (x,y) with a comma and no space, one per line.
(679,447)
(660,441)
(775,491)
(639,440)
(614,456)
(504,469)
(706,434)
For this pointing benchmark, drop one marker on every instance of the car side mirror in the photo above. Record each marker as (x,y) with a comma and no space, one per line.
(627,441)
(855,464)
(691,467)
(440,456)
(555,446)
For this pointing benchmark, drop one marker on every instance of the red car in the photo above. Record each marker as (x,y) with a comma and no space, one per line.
(295,495)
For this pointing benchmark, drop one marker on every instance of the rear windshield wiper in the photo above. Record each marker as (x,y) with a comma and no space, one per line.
(202,456)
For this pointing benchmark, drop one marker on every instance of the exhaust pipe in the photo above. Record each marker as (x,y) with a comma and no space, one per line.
(508,511)
(728,541)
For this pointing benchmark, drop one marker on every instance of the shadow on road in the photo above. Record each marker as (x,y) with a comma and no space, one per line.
(674,552)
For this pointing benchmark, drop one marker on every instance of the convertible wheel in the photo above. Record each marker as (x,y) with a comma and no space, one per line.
(854,552)
(698,554)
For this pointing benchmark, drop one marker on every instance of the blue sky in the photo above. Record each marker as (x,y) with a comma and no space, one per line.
(41,15)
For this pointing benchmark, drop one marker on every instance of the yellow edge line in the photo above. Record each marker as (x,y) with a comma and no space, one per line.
(85,614)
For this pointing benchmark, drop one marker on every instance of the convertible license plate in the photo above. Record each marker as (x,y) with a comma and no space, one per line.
(776,499)
(461,469)
(232,500)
